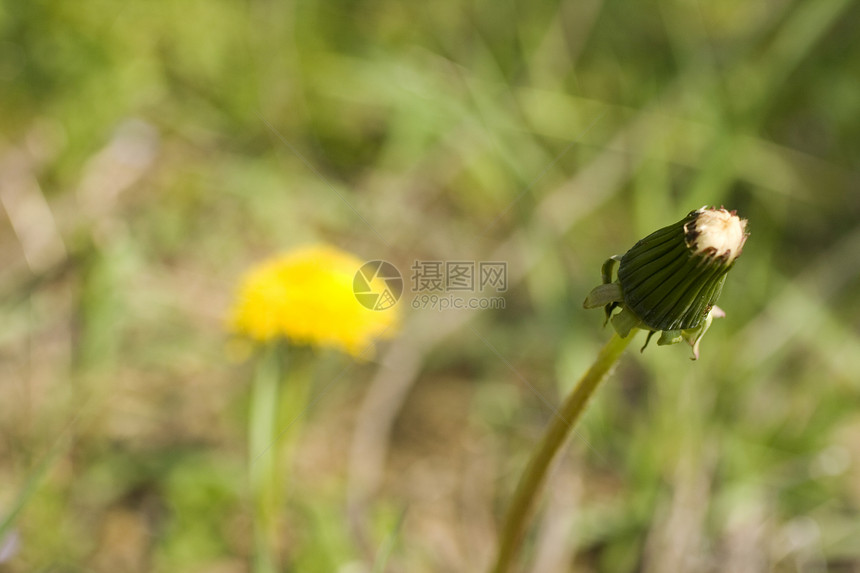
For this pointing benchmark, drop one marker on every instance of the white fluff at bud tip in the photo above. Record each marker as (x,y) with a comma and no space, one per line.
(717,233)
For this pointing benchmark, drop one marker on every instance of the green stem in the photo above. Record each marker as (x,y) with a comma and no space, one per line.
(279,397)
(559,427)
(262,462)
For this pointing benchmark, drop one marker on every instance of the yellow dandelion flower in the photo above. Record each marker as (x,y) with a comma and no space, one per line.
(306,296)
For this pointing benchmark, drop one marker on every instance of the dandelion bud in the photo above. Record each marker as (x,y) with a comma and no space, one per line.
(670,280)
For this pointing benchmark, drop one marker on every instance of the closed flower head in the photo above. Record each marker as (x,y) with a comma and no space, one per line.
(670,280)
(306,296)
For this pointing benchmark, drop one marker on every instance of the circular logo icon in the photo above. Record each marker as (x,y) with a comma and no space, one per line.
(377,285)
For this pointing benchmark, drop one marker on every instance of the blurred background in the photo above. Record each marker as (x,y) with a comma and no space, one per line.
(150,152)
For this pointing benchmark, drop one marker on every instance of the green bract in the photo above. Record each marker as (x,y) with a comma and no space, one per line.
(670,280)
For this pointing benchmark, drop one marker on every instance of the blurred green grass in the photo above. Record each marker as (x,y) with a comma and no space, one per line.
(143,166)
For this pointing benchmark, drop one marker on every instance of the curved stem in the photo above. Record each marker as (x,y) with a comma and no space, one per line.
(559,427)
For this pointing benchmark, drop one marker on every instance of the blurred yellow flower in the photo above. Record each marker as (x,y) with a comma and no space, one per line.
(306,296)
